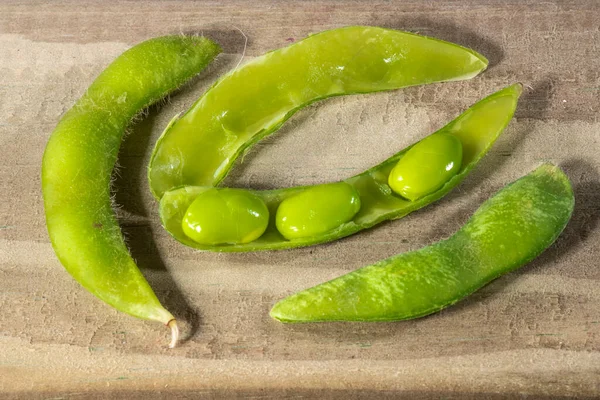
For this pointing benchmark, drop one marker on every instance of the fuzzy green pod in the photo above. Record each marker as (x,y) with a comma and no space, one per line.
(79,159)
(507,231)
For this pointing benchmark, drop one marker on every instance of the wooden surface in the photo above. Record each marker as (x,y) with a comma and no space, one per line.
(534,333)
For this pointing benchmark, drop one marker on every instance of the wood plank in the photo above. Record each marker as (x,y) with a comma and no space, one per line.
(533,333)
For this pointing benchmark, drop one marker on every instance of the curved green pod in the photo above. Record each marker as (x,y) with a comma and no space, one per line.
(80,156)
(254,100)
(506,232)
(477,129)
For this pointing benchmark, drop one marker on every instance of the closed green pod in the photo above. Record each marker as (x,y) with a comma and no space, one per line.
(507,231)
(80,157)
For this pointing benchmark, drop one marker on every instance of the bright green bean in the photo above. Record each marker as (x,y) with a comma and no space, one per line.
(477,129)
(254,100)
(317,210)
(80,156)
(426,166)
(507,231)
(225,216)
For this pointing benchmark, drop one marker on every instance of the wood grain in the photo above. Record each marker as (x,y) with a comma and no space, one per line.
(534,333)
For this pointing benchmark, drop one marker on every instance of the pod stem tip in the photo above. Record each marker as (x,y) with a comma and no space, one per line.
(174,333)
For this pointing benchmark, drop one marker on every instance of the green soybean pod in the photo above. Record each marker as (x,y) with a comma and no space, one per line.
(225,216)
(80,156)
(317,210)
(477,129)
(253,101)
(506,232)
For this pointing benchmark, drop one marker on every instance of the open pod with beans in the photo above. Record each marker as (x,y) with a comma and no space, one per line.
(303,216)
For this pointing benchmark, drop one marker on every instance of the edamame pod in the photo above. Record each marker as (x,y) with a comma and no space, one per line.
(254,100)
(477,129)
(80,156)
(506,232)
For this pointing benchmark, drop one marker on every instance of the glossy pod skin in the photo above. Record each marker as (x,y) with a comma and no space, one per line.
(477,129)
(506,232)
(254,100)
(80,156)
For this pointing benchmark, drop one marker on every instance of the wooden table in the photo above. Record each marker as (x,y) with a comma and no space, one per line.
(534,333)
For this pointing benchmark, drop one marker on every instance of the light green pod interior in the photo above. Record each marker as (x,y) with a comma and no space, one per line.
(477,129)
(254,100)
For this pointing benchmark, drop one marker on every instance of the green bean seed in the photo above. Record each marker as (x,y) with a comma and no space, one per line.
(317,210)
(225,216)
(506,232)
(426,166)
